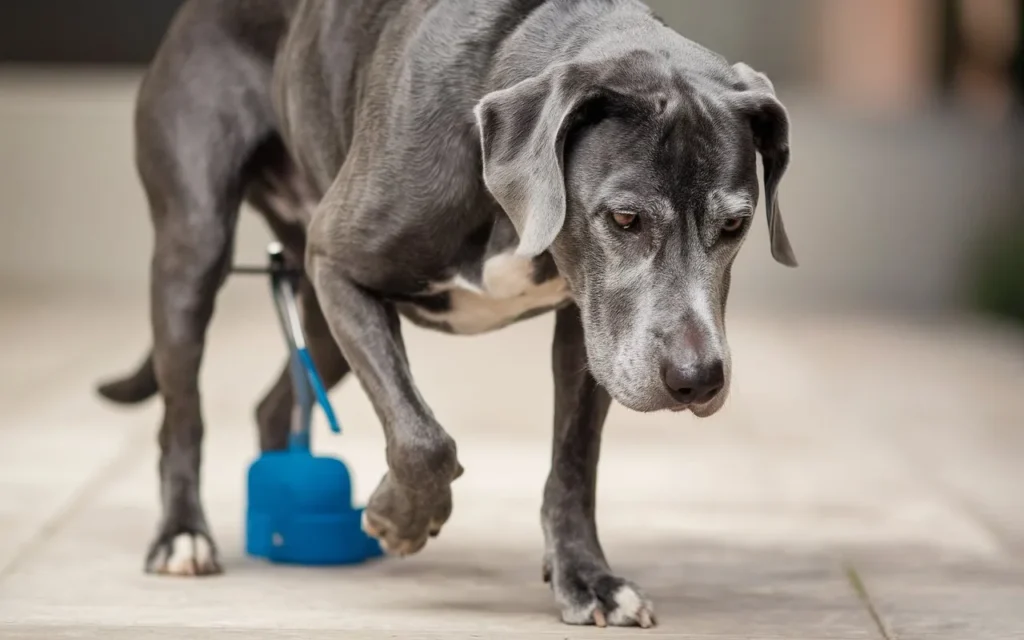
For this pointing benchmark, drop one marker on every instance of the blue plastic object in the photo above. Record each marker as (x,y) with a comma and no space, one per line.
(299,507)
(300,512)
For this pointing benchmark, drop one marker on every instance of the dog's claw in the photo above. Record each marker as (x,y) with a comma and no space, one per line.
(372,529)
(646,620)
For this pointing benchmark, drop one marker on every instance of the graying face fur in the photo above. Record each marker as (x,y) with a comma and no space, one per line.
(641,180)
(652,292)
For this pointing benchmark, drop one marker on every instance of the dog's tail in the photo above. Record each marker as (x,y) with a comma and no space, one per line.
(137,387)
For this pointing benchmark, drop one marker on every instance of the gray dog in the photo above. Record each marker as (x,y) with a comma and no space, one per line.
(465,164)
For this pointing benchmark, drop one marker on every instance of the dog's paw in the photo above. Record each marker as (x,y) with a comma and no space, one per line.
(600,599)
(403,519)
(184,554)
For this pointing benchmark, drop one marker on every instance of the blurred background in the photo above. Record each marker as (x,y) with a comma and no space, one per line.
(905,191)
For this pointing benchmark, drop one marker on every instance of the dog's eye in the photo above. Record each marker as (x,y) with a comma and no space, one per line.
(625,219)
(732,225)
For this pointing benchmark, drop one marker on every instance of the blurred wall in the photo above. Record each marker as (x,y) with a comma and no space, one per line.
(770,35)
(883,206)
(108,32)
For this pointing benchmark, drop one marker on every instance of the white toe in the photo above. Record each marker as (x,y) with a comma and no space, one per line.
(182,561)
(630,608)
(204,553)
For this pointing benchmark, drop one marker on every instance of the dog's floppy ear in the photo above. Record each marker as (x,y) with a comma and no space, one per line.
(522,131)
(770,125)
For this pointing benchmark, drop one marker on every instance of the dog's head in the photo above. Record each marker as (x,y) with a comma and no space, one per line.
(640,179)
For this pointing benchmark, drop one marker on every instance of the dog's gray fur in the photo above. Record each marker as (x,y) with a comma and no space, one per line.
(397,147)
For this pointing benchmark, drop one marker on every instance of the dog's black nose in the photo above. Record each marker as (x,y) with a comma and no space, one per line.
(694,384)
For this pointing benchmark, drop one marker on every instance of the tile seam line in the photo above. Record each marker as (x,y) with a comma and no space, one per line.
(855,582)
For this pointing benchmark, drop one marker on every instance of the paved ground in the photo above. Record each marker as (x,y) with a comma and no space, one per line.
(867,481)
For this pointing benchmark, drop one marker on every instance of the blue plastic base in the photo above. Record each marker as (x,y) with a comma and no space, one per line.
(300,512)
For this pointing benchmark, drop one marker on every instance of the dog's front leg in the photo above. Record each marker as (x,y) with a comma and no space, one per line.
(414,499)
(585,588)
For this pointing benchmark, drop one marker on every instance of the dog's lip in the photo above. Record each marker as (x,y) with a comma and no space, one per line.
(679,408)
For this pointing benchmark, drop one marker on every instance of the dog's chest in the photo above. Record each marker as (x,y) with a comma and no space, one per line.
(497,291)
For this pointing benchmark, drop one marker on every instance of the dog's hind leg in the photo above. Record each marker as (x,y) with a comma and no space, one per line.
(203,109)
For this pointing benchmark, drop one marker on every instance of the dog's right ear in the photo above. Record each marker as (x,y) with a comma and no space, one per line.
(523,131)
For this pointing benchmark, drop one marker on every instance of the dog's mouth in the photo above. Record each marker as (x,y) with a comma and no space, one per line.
(704,411)
(709,409)
(700,411)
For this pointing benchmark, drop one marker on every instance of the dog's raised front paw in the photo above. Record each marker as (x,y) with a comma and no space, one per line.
(183,554)
(403,519)
(595,597)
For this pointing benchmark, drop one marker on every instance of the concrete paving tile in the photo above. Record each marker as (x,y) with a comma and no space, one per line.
(480,576)
(734,525)
(966,445)
(39,480)
(920,596)
(158,633)
(462,586)
(55,437)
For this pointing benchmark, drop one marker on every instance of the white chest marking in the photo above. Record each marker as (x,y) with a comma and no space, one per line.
(507,292)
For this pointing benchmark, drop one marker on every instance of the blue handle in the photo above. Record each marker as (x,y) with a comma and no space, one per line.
(318,389)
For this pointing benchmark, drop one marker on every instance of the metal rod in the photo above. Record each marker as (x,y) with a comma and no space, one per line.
(282,284)
(248,270)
